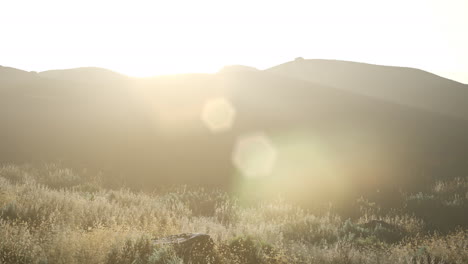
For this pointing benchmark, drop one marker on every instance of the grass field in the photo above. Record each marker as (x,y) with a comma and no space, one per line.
(50,214)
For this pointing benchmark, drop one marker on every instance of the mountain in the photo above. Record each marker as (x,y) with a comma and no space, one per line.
(85,74)
(407,86)
(321,140)
(14,76)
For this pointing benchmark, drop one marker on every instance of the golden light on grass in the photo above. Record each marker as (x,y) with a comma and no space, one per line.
(218,114)
(254,155)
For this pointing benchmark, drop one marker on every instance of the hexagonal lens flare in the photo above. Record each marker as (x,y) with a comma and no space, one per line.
(254,155)
(218,115)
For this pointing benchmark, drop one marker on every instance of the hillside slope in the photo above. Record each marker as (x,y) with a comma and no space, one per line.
(85,74)
(150,132)
(406,86)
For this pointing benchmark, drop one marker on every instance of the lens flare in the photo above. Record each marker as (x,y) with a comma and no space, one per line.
(218,115)
(299,165)
(254,155)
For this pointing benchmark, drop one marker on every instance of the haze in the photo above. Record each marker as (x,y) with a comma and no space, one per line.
(145,38)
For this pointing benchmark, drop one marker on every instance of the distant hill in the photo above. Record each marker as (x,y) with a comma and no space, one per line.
(150,131)
(14,76)
(85,74)
(406,86)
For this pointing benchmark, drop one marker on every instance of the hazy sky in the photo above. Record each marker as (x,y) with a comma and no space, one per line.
(143,37)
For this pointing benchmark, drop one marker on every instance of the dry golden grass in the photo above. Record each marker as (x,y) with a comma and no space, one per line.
(53,215)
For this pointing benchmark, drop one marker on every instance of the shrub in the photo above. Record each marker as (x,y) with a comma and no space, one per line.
(138,251)
(248,250)
(13,174)
(310,229)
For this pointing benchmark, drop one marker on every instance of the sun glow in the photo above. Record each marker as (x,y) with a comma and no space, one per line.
(147,38)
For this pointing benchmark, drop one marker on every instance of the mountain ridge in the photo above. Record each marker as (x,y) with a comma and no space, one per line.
(365,63)
(409,86)
(143,128)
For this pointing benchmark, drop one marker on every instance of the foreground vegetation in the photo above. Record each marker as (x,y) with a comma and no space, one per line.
(50,214)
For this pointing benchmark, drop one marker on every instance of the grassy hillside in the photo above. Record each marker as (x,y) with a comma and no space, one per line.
(145,129)
(50,214)
(299,172)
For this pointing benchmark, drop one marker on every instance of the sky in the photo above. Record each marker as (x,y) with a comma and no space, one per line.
(147,38)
